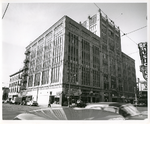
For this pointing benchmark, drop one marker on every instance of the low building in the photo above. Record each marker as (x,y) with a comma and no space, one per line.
(5,92)
(15,84)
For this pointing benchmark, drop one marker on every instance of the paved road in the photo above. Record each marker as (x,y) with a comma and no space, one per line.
(9,111)
(142,109)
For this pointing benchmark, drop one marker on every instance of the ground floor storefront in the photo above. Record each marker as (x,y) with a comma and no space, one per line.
(62,94)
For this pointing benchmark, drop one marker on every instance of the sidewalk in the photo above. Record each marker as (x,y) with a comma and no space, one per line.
(55,105)
(52,105)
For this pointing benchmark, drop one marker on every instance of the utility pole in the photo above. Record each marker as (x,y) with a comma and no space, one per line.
(135,96)
(37,92)
(5,10)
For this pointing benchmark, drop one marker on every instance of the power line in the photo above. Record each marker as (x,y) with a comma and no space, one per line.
(98,7)
(5,10)
(134,30)
(129,38)
(123,32)
(133,53)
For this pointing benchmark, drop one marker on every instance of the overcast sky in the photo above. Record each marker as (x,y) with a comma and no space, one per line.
(24,22)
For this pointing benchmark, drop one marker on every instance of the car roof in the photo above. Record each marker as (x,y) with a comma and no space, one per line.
(117,104)
(68,114)
(97,104)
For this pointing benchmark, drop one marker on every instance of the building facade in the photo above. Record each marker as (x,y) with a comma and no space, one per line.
(119,69)
(15,84)
(129,77)
(79,60)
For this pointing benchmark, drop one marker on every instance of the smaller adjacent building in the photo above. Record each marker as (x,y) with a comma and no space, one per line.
(15,84)
(5,91)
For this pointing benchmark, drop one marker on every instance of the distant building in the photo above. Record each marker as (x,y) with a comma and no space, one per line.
(15,84)
(5,91)
(68,59)
(142,91)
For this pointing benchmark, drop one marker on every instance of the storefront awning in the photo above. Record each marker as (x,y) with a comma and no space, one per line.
(115,97)
(131,98)
(122,96)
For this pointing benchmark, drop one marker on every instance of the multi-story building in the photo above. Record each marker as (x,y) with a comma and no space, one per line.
(69,59)
(15,84)
(119,69)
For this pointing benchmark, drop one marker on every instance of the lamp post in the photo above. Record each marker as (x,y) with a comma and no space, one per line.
(69,90)
(37,92)
(91,96)
(135,96)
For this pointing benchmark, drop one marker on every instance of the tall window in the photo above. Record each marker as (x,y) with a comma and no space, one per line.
(106,82)
(57,52)
(113,82)
(33,53)
(73,57)
(30,82)
(37,79)
(85,76)
(85,62)
(55,73)
(96,57)
(111,44)
(45,77)
(96,78)
(96,66)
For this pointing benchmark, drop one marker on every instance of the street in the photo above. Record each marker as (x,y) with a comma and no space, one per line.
(9,111)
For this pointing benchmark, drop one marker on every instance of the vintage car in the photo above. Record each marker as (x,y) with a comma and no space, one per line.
(66,113)
(30,101)
(127,110)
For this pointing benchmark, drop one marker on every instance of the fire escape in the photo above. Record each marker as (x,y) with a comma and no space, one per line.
(25,71)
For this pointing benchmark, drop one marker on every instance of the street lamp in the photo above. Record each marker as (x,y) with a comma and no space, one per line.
(37,92)
(69,90)
(135,96)
(91,96)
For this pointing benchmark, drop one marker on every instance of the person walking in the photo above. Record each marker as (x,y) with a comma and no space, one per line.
(49,102)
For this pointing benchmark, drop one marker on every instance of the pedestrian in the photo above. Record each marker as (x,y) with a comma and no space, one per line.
(49,102)
(106,100)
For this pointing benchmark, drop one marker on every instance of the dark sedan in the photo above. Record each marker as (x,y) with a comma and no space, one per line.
(127,110)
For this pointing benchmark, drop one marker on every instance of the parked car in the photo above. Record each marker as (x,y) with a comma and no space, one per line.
(31,103)
(34,103)
(12,101)
(5,101)
(80,104)
(65,113)
(127,110)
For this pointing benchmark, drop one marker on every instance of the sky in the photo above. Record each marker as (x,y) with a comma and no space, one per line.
(24,22)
